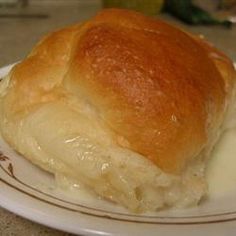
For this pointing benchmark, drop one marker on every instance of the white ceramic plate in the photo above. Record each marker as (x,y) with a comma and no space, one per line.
(30,192)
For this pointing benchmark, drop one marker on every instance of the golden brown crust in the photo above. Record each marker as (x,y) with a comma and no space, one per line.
(161,91)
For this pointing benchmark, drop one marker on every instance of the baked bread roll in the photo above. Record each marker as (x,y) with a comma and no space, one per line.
(126,105)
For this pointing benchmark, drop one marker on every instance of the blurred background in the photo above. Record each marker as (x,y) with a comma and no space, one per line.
(24,22)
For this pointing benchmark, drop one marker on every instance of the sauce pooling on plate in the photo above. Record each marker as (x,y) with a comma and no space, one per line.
(221,172)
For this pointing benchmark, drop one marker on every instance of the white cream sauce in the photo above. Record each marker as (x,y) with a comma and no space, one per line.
(221,171)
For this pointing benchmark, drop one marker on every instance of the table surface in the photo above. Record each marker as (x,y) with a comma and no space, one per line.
(17,37)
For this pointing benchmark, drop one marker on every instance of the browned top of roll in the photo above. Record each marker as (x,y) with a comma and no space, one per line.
(160,90)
